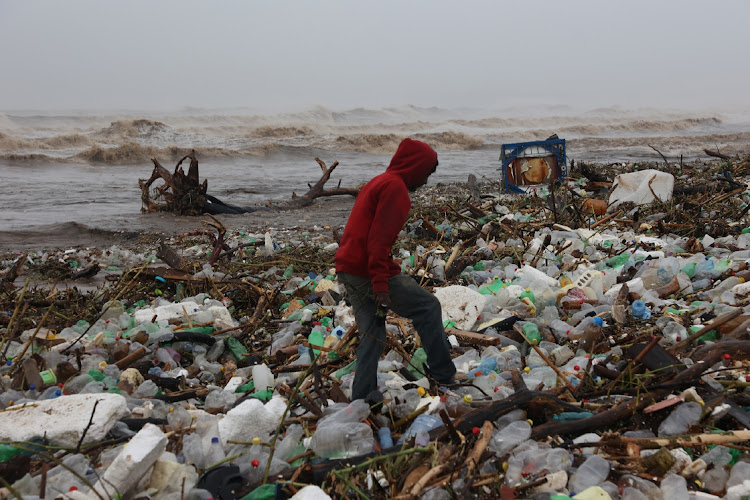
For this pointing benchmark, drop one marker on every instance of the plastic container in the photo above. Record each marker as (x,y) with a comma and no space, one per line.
(384,435)
(215,452)
(262,378)
(342,440)
(423,422)
(681,419)
(485,367)
(592,472)
(592,331)
(531,331)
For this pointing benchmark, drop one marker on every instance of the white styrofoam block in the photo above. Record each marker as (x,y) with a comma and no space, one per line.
(222,317)
(276,406)
(248,420)
(741,289)
(62,420)
(460,305)
(166,312)
(135,459)
(345,315)
(311,492)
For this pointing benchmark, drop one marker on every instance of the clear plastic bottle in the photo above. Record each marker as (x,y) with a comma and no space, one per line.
(356,411)
(504,440)
(592,472)
(423,422)
(591,334)
(681,419)
(406,403)
(346,440)
(215,452)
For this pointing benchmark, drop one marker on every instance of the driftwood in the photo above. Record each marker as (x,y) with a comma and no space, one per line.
(186,195)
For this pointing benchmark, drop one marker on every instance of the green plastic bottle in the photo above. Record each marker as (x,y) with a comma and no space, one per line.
(418,359)
(528,294)
(288,272)
(238,350)
(8,451)
(618,260)
(316,338)
(346,370)
(492,288)
(531,331)
(689,269)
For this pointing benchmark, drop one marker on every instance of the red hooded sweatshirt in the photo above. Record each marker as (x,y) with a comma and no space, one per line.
(379,214)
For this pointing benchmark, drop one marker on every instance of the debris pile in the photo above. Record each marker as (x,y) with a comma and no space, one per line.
(600,354)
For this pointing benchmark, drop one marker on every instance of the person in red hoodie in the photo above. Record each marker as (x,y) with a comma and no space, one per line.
(374,282)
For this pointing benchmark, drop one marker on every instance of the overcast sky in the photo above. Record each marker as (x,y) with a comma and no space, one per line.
(61,55)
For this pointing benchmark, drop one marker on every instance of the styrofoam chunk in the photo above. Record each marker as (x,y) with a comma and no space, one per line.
(460,305)
(135,459)
(62,420)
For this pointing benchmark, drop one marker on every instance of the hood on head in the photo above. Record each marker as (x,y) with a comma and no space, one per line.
(413,161)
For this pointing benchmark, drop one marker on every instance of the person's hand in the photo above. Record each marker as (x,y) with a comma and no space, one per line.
(383,299)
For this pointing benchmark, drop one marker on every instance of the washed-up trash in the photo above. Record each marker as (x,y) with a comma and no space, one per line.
(641,187)
(597,356)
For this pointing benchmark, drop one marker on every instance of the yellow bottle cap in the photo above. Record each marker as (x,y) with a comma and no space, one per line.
(468,398)
(421,391)
(256,440)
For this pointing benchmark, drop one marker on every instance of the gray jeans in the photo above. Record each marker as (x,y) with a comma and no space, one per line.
(408,300)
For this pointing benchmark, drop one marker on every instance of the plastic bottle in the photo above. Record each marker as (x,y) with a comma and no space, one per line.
(423,422)
(592,472)
(317,338)
(341,441)
(8,451)
(531,331)
(674,487)
(51,393)
(406,403)
(681,419)
(356,411)
(262,377)
(639,310)
(485,367)
(416,366)
(384,435)
(215,452)
(504,440)
(455,406)
(591,334)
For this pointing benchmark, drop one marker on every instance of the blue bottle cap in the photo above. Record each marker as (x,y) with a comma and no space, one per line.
(598,321)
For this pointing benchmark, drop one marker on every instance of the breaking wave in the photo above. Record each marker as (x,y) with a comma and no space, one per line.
(135,153)
(124,139)
(132,128)
(276,132)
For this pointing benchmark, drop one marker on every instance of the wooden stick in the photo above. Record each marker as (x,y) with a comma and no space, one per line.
(476,454)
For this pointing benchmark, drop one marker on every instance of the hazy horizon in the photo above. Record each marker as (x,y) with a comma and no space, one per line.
(283,55)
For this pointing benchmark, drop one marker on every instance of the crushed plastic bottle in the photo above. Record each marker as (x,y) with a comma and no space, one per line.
(342,440)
